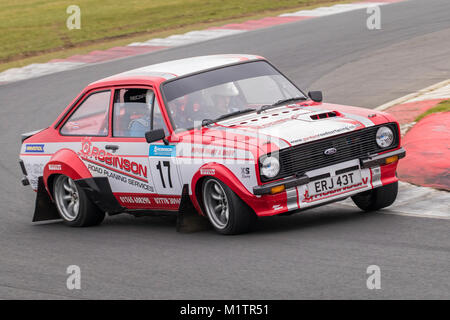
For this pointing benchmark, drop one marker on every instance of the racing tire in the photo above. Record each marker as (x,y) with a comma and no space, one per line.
(73,205)
(378,198)
(228,214)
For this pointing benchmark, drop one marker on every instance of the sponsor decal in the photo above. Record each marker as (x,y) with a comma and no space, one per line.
(208,172)
(38,148)
(140,185)
(277,207)
(137,97)
(273,123)
(34,170)
(54,167)
(167,201)
(120,177)
(121,163)
(326,134)
(245,172)
(134,200)
(157,150)
(213,152)
(143,201)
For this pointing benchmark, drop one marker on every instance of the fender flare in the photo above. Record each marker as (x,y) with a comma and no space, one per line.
(66,162)
(221,172)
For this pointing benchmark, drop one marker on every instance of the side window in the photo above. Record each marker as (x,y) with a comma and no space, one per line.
(91,116)
(132,112)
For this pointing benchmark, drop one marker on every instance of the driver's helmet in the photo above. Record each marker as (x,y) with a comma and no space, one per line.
(224,96)
(138,101)
(217,93)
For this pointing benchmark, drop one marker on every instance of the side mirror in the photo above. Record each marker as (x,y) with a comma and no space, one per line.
(315,96)
(156,135)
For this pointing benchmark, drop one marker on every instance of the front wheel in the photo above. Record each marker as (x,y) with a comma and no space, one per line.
(378,198)
(73,205)
(225,210)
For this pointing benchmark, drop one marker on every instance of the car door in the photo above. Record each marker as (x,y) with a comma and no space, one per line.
(87,129)
(164,165)
(135,111)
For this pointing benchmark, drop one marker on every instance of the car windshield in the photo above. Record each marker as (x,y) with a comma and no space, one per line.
(213,94)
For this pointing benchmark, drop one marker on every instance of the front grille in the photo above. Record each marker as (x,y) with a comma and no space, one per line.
(309,156)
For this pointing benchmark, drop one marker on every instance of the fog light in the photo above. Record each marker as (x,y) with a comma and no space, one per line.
(277,189)
(391,160)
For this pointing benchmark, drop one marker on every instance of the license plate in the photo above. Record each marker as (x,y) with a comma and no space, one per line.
(333,183)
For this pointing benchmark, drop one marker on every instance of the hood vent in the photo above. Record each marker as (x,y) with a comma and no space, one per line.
(325,115)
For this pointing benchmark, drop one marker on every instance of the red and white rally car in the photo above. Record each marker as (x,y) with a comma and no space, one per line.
(228,135)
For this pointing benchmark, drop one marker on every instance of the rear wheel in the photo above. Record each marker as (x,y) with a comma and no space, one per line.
(73,205)
(225,210)
(378,198)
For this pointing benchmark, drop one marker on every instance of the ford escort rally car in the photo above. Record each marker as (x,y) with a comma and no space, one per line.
(227,135)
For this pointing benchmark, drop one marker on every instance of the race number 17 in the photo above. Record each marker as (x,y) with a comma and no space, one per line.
(161,174)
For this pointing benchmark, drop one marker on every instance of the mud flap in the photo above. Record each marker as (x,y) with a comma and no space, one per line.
(99,192)
(188,219)
(44,208)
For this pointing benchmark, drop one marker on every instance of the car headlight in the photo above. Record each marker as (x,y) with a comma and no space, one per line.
(385,137)
(270,166)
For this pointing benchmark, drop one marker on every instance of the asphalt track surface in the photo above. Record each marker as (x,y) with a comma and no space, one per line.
(321,253)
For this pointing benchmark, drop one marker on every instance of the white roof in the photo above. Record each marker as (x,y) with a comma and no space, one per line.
(177,68)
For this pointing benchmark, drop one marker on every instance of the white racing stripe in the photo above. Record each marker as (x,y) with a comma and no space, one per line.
(365,121)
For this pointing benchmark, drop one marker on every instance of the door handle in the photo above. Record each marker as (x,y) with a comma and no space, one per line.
(112,147)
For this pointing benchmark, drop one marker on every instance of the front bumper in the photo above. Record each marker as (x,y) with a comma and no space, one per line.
(369,162)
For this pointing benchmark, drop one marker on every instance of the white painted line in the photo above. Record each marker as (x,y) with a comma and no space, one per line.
(440,93)
(338,8)
(416,215)
(414,95)
(36,70)
(405,127)
(188,38)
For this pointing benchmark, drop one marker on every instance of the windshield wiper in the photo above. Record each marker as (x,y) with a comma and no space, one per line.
(206,122)
(278,103)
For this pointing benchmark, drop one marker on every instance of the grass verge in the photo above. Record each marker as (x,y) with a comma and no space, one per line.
(34,31)
(443,106)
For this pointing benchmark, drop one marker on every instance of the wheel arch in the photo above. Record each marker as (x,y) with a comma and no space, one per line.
(222,173)
(66,162)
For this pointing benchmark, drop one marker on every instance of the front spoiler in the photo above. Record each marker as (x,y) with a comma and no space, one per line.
(371,161)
